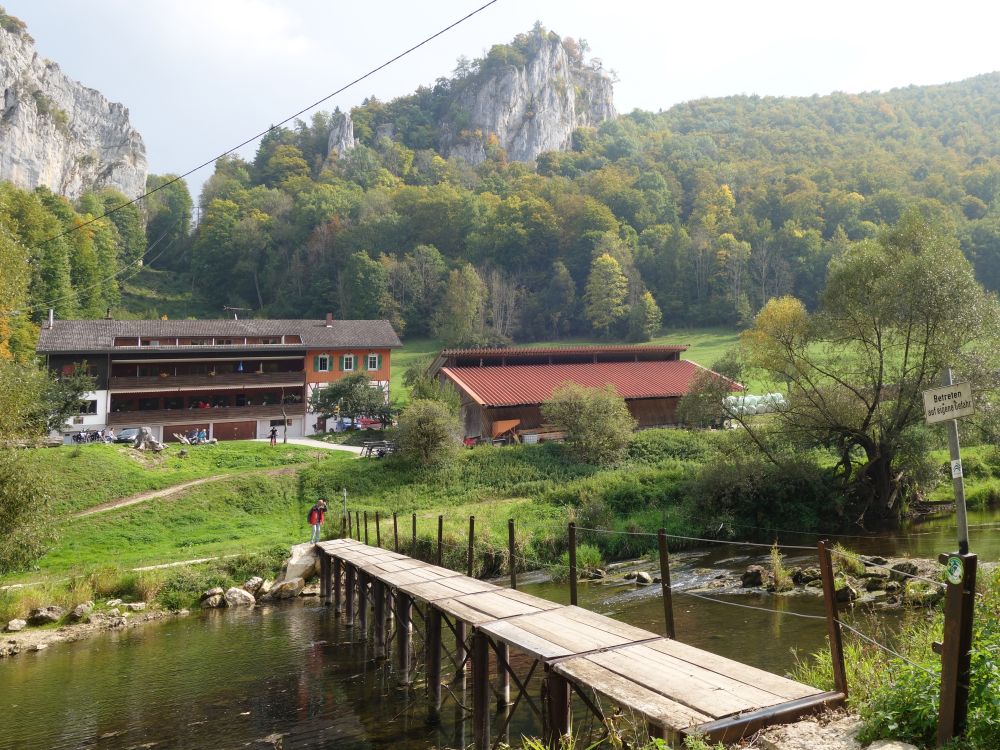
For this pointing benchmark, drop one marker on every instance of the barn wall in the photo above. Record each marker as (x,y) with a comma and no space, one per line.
(654,412)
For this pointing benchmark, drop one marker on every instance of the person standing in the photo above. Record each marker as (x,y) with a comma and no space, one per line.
(274,436)
(317,514)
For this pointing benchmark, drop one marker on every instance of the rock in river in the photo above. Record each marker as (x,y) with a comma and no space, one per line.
(213,601)
(643,578)
(754,575)
(217,591)
(45,615)
(922,593)
(253,585)
(239,598)
(287,589)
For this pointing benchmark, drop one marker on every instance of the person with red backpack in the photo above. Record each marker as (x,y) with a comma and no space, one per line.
(317,514)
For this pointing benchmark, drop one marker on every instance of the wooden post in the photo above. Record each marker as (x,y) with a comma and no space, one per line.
(832,619)
(432,660)
(572,563)
(378,591)
(503,676)
(460,650)
(343,527)
(557,709)
(366,527)
(350,526)
(378,530)
(668,601)
(510,553)
(336,586)
(413,544)
(404,633)
(349,576)
(363,602)
(395,532)
(959,606)
(357,524)
(440,537)
(472,545)
(480,691)
(324,578)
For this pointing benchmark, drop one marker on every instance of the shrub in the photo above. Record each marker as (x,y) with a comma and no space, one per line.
(845,561)
(652,446)
(588,558)
(597,422)
(428,432)
(782,580)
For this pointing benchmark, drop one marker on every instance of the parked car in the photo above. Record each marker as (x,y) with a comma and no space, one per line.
(127,435)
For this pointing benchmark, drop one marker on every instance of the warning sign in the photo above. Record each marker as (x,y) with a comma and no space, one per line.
(948,402)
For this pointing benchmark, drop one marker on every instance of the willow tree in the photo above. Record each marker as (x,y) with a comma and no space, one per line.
(895,312)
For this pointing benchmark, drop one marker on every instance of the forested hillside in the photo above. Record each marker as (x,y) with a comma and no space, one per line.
(698,214)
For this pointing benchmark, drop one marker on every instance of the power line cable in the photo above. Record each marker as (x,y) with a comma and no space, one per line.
(288,119)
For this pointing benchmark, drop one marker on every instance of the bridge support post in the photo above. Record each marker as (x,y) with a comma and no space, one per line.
(404,635)
(480,691)
(336,586)
(460,650)
(432,660)
(324,576)
(378,593)
(363,602)
(503,676)
(557,709)
(350,575)
(832,618)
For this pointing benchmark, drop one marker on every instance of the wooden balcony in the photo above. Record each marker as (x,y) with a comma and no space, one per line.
(183,416)
(195,382)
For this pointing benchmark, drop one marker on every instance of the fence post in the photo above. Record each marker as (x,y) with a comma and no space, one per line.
(357,524)
(668,601)
(413,522)
(395,532)
(510,546)
(350,526)
(378,530)
(366,527)
(472,543)
(343,527)
(440,537)
(832,618)
(959,606)
(572,563)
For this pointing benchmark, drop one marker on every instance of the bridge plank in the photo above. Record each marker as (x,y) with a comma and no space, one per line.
(514,635)
(444,588)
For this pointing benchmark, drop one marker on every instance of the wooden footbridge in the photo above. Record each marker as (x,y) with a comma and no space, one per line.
(676,689)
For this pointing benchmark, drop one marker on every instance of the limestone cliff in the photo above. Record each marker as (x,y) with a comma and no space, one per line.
(58,133)
(341,134)
(531,108)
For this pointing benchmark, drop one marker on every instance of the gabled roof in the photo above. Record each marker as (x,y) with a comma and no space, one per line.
(84,336)
(516,385)
(485,356)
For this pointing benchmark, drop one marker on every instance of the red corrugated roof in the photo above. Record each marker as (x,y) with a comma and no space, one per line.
(515,351)
(512,385)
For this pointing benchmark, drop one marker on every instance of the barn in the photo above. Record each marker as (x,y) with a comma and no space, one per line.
(503,388)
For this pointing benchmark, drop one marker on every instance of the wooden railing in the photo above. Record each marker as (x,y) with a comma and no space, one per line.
(228,379)
(181,416)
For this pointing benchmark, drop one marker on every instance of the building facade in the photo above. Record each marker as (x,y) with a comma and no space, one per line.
(234,378)
(503,386)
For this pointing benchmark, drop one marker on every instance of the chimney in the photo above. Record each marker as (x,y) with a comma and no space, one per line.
(52,318)
(329,320)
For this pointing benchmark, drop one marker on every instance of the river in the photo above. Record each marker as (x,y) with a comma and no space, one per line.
(224,679)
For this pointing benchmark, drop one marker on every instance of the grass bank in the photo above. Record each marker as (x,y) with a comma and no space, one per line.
(87,475)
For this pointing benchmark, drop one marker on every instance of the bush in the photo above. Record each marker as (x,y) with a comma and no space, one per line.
(597,422)
(652,446)
(588,558)
(428,432)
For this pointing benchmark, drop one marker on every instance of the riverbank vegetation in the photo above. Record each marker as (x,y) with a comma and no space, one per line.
(897,696)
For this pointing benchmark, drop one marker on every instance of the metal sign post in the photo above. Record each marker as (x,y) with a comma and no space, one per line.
(947,404)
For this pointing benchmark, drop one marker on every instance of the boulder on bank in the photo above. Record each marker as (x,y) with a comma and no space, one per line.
(303,563)
(922,593)
(206,595)
(753,576)
(902,571)
(846,593)
(643,578)
(214,601)
(46,615)
(81,612)
(15,625)
(134,606)
(239,598)
(253,586)
(803,576)
(287,589)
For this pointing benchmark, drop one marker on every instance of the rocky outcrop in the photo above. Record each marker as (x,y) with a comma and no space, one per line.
(528,109)
(58,133)
(341,134)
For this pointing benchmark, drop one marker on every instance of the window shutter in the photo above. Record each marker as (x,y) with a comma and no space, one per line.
(378,361)
(316,363)
(342,356)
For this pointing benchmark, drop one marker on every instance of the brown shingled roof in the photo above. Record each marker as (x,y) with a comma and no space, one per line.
(81,336)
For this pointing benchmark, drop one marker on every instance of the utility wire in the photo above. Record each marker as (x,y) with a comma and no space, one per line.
(288,119)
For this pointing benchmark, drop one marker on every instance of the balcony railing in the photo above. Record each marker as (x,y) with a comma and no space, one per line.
(185,416)
(222,380)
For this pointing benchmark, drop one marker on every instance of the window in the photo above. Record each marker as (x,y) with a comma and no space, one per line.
(347,363)
(321,363)
(280,422)
(223,342)
(151,342)
(374,361)
(201,342)
(88,407)
(270,340)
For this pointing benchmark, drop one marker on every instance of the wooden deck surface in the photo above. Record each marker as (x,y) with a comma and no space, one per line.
(677,687)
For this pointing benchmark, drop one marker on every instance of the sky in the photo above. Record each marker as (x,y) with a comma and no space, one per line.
(200,76)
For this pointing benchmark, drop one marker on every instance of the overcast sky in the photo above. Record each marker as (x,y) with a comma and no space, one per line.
(200,76)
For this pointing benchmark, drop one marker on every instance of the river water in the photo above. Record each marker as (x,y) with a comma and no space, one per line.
(227,679)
